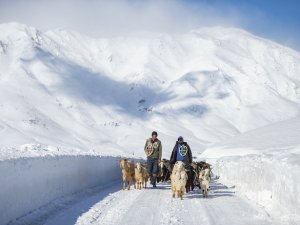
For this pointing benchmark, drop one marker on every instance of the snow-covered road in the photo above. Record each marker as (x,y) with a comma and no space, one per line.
(112,206)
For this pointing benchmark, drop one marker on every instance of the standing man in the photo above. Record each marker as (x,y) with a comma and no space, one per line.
(153,150)
(181,152)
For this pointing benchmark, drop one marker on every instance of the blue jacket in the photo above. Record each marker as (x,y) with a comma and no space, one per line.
(186,155)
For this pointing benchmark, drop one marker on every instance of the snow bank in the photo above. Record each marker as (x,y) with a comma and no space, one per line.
(264,165)
(267,181)
(29,183)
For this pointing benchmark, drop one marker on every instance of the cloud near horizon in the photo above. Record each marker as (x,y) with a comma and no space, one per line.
(102,18)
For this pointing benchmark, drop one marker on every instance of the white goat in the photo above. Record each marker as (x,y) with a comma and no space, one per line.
(178,179)
(204,179)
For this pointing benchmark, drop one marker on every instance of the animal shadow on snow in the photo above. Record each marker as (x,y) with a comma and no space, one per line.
(216,190)
(160,186)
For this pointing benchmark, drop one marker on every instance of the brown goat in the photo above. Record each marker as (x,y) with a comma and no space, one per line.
(127,168)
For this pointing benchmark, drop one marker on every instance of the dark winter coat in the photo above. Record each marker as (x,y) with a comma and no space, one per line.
(187,159)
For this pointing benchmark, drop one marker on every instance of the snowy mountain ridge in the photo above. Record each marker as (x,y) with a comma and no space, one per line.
(63,90)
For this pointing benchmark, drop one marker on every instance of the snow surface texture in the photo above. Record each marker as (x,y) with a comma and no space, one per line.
(31,183)
(264,165)
(63,93)
(112,206)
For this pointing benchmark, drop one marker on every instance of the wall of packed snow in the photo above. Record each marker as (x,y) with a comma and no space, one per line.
(29,183)
(271,182)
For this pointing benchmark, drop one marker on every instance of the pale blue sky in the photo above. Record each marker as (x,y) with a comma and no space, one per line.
(275,19)
(272,19)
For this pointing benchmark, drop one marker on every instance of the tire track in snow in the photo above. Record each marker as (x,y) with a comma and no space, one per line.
(170,216)
(156,206)
(222,207)
(111,210)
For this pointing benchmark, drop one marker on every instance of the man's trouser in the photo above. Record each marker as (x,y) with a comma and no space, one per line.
(152,169)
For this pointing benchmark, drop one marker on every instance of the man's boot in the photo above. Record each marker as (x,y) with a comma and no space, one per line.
(154,181)
(151,179)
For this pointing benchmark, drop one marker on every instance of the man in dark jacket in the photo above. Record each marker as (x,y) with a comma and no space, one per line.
(153,150)
(181,152)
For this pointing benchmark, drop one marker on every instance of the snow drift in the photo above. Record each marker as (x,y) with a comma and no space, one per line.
(263,165)
(29,183)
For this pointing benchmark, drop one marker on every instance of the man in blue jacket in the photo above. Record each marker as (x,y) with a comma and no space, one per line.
(181,152)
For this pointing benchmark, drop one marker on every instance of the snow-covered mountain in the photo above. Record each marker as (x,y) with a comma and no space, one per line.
(64,92)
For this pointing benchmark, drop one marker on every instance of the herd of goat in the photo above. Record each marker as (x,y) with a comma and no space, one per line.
(183,177)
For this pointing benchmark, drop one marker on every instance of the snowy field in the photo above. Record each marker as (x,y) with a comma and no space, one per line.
(72,105)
